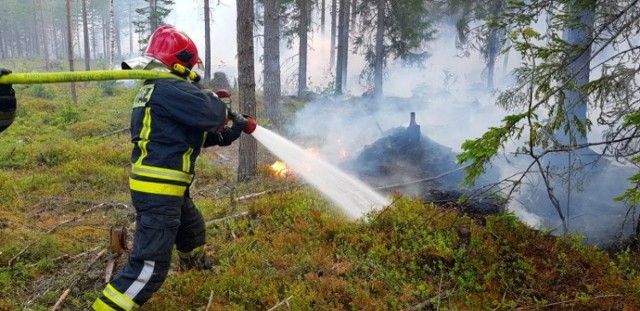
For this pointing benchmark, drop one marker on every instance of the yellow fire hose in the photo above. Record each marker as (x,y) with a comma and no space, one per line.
(78,76)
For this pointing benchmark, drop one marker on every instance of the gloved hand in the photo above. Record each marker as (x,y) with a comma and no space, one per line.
(7,102)
(5,89)
(247,123)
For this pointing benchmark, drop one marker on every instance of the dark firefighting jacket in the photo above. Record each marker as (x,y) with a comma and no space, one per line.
(171,121)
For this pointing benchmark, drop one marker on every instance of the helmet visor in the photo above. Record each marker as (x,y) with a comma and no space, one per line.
(199,65)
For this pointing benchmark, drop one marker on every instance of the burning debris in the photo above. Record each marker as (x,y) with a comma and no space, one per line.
(406,161)
(405,155)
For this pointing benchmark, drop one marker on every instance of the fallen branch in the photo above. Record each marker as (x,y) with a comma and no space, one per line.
(210,301)
(421,180)
(115,132)
(284,302)
(111,265)
(75,280)
(52,229)
(255,195)
(66,257)
(217,220)
(569,301)
(427,303)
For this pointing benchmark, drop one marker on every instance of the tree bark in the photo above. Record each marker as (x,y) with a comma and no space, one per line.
(379,57)
(493,44)
(130,29)
(85,31)
(354,5)
(45,39)
(576,98)
(74,97)
(112,34)
(247,165)
(272,83)
(207,42)
(323,8)
(153,15)
(332,53)
(303,28)
(343,47)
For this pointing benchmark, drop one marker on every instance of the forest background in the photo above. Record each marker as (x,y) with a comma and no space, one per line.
(547,91)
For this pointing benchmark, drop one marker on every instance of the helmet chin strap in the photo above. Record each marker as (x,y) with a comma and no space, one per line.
(186,72)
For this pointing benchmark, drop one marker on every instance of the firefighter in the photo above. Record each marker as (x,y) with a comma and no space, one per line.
(7,103)
(172,119)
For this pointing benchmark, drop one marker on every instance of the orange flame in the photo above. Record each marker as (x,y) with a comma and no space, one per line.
(279,169)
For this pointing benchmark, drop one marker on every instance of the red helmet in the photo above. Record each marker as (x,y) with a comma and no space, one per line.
(170,45)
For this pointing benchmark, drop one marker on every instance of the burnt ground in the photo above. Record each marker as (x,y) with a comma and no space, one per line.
(408,162)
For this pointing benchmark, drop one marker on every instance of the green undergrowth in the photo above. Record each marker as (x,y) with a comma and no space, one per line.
(63,185)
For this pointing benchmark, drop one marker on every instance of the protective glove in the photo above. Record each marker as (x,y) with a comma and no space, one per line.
(5,89)
(247,123)
(7,102)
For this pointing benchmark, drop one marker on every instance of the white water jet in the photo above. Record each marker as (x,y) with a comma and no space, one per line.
(351,195)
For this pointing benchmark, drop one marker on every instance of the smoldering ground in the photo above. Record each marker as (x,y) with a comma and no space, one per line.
(451,105)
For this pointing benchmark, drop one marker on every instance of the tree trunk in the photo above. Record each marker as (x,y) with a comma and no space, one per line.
(332,53)
(85,31)
(153,15)
(74,97)
(272,87)
(247,165)
(112,35)
(323,7)
(379,57)
(303,28)
(343,47)
(118,29)
(354,5)
(207,43)
(493,44)
(576,98)
(45,39)
(130,29)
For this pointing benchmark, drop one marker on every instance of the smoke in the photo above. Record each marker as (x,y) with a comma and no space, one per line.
(451,104)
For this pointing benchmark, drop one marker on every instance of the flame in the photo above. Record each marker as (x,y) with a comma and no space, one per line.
(279,168)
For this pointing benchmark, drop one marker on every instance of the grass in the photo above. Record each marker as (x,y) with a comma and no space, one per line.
(292,245)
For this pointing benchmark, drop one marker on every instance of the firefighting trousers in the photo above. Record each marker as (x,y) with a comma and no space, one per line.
(161,223)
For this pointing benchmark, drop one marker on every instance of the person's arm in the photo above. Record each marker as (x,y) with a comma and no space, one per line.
(187,104)
(8,103)
(228,135)
(224,137)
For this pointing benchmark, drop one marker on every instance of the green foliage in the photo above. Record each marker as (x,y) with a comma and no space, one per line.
(481,151)
(406,28)
(40,91)
(553,87)
(151,16)
(69,114)
(108,88)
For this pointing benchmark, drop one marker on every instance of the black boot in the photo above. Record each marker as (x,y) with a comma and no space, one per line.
(195,259)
